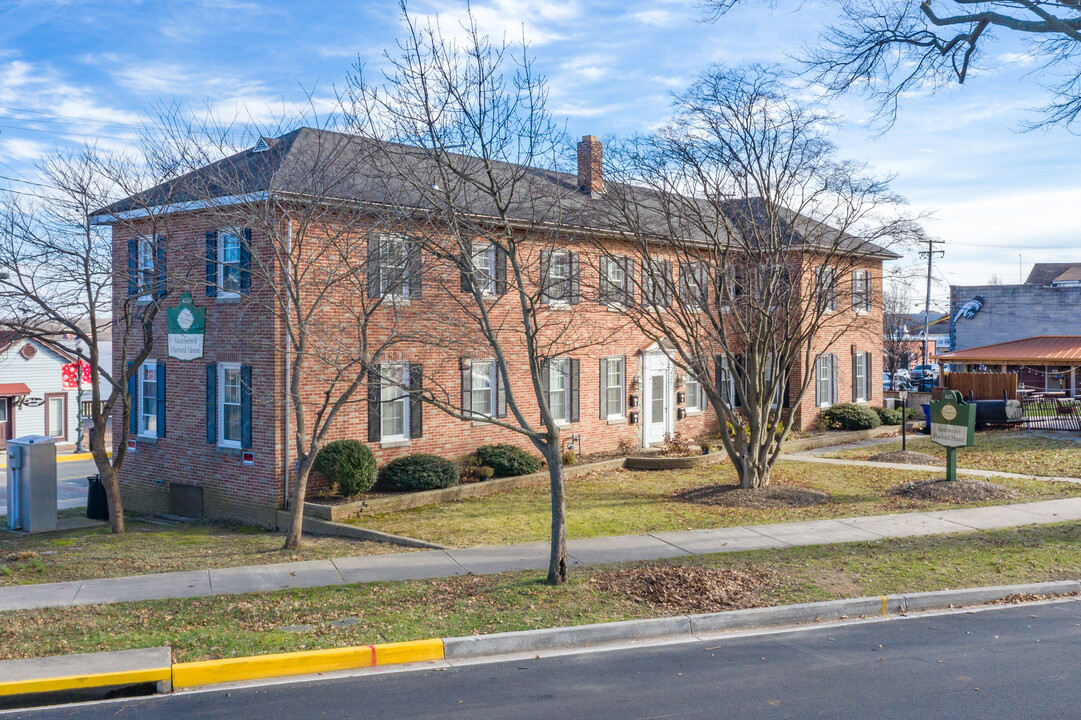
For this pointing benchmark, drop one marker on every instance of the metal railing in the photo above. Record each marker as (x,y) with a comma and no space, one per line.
(1051,413)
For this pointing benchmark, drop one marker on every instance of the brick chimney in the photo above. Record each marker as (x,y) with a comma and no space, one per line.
(589,165)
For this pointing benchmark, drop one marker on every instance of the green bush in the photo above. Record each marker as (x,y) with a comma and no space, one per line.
(508,460)
(848,416)
(348,464)
(887,416)
(418,472)
(569,458)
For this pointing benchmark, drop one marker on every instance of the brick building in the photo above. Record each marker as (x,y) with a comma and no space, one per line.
(215,429)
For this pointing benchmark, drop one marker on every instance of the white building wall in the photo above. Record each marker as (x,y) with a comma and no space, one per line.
(42,375)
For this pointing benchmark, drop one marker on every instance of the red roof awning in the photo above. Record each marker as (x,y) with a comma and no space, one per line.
(8,389)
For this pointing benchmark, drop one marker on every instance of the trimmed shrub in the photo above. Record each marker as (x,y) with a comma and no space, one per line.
(484,472)
(508,460)
(887,416)
(848,416)
(418,472)
(569,458)
(348,464)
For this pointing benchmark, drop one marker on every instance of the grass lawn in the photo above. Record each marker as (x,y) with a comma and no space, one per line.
(1017,451)
(149,548)
(229,626)
(624,502)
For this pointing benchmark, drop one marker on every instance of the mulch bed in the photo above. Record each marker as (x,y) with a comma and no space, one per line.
(960,490)
(688,588)
(907,457)
(769,497)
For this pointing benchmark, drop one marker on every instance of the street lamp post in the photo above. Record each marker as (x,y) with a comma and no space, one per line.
(904,419)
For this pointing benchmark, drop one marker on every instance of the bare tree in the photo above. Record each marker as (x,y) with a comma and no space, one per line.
(887,48)
(464,184)
(757,248)
(896,338)
(59,281)
(303,267)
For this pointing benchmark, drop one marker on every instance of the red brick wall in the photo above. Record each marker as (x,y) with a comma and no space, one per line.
(246,332)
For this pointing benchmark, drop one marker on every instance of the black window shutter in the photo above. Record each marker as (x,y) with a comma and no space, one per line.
(545,382)
(133,394)
(628,282)
(500,394)
(414,269)
(546,276)
(133,265)
(212,403)
(603,393)
(666,284)
(245,264)
(500,269)
(855,382)
(159,263)
(245,407)
(416,405)
(212,265)
(833,379)
(160,374)
(868,375)
(737,377)
(375,258)
(467,385)
(375,407)
(573,385)
(608,293)
(576,280)
(464,265)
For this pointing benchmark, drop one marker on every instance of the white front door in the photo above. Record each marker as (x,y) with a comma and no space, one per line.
(657,400)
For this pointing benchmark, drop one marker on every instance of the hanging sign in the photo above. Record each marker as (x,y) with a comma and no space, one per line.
(186,325)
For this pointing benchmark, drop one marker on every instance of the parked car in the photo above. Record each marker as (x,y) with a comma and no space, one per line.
(930,371)
(897,382)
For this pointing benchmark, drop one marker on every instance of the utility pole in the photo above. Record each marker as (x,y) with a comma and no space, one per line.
(929,253)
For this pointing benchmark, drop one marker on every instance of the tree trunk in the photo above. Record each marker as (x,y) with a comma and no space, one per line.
(752,473)
(109,478)
(557,563)
(296,517)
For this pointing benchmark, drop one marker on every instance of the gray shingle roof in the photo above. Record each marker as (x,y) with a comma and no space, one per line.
(321,163)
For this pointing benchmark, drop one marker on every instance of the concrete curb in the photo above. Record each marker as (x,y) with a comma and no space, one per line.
(33,677)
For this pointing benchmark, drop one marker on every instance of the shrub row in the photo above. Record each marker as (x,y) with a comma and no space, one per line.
(350,468)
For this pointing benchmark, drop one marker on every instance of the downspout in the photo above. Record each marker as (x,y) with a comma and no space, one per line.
(288,359)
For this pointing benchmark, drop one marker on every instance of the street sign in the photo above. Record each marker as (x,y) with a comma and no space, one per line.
(953,425)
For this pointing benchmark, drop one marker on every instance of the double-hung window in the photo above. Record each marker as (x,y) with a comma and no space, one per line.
(861,290)
(482,387)
(230,409)
(726,382)
(695,401)
(656,283)
(559,277)
(826,277)
(559,390)
(148,398)
(613,384)
(229,265)
(483,256)
(394,397)
(859,377)
(614,281)
(146,276)
(693,285)
(825,380)
(394,267)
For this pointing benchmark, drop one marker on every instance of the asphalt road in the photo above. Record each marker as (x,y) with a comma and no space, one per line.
(70,484)
(1013,662)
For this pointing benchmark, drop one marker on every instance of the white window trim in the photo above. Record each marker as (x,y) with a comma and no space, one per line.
(222,292)
(618,263)
(403,399)
(143,290)
(622,389)
(488,249)
(492,378)
(864,279)
(860,379)
(697,408)
(829,380)
(143,432)
(563,364)
(563,301)
(829,292)
(222,368)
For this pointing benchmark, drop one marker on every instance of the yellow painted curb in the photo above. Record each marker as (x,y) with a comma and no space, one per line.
(407,652)
(212,672)
(75,682)
(64,458)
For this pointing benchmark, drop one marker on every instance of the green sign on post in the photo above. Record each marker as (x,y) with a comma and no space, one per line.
(953,425)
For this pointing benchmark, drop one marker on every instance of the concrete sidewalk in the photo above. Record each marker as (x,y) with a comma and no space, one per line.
(532,556)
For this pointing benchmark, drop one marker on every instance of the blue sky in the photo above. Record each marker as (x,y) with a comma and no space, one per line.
(71,70)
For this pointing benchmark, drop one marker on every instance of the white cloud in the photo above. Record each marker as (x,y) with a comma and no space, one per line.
(19,149)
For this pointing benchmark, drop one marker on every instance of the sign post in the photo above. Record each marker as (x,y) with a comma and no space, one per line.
(904,419)
(186,326)
(953,425)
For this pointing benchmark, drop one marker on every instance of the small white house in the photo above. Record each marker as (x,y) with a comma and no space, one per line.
(33,400)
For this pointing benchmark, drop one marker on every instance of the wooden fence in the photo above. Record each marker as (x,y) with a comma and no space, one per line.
(982,386)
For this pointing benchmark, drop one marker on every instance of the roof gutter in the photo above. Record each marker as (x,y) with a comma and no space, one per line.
(106,218)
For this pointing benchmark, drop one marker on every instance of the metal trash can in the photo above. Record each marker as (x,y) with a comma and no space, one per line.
(97,502)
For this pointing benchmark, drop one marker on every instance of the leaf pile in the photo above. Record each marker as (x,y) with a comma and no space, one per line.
(769,497)
(960,490)
(688,588)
